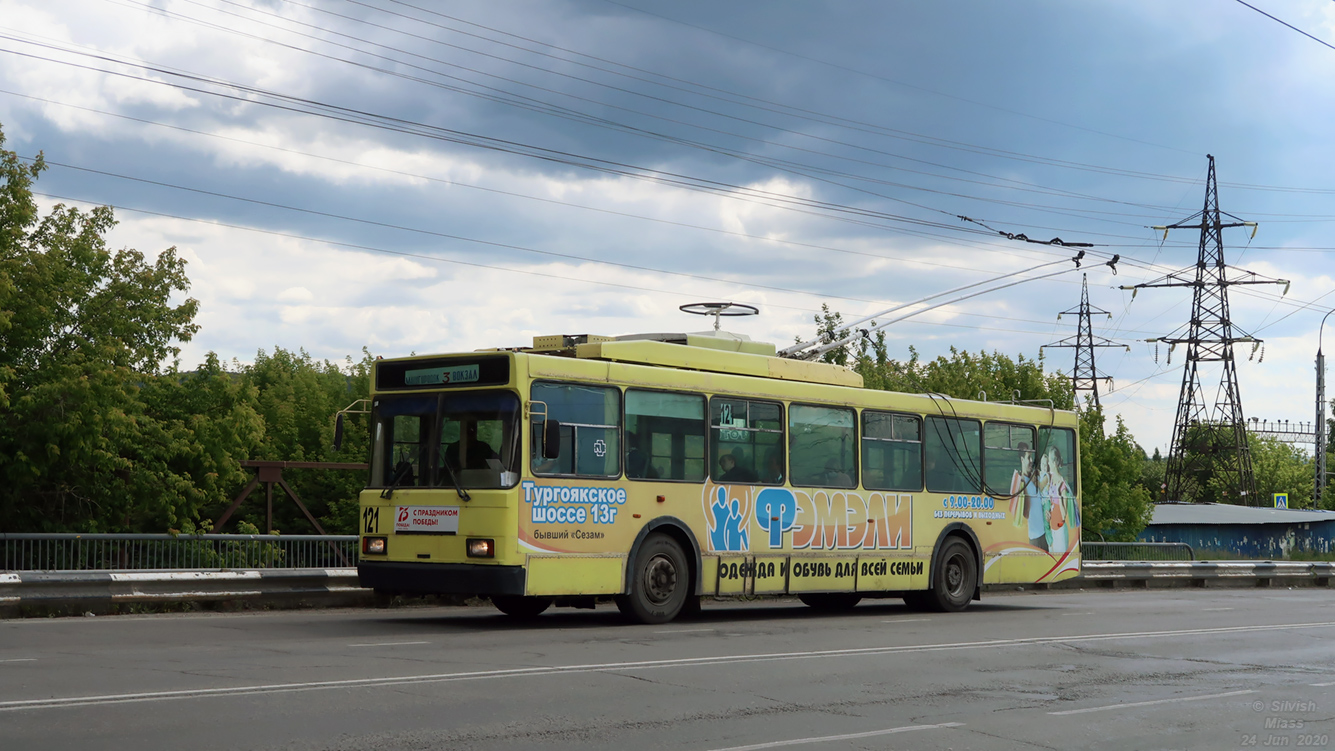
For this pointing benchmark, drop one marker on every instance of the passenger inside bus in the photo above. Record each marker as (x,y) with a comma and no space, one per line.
(470,452)
(734,469)
(637,459)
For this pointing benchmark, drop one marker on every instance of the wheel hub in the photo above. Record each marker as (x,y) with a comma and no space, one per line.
(954,576)
(660,579)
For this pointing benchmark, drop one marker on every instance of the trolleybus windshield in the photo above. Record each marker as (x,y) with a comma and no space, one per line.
(419,440)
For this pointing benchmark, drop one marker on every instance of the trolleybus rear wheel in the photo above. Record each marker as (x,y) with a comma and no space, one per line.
(955,578)
(517,606)
(660,581)
(830,601)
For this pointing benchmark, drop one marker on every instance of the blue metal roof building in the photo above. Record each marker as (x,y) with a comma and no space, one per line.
(1215,529)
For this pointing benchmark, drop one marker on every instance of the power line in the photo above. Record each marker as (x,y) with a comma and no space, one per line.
(399,125)
(490,243)
(504,269)
(896,82)
(1286,23)
(547,108)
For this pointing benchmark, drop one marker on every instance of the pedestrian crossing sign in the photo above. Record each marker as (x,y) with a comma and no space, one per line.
(1281,500)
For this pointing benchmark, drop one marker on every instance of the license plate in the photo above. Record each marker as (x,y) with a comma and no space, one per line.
(438,519)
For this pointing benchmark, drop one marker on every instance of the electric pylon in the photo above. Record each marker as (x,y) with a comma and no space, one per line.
(1209,442)
(1085,376)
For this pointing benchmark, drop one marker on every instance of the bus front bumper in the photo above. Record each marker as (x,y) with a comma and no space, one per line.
(441,578)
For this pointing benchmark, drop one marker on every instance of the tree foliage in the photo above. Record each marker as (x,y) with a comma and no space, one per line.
(95,435)
(296,397)
(962,375)
(1116,504)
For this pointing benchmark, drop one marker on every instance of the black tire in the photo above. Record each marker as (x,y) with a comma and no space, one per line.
(954,578)
(830,601)
(660,582)
(517,606)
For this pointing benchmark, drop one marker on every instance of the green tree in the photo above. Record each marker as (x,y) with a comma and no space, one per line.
(1116,506)
(1153,474)
(1277,467)
(963,375)
(297,398)
(95,437)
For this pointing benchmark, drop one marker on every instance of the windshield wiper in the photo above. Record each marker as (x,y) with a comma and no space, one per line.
(458,488)
(405,470)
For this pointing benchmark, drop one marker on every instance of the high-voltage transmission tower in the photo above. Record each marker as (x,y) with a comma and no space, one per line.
(1209,441)
(1085,376)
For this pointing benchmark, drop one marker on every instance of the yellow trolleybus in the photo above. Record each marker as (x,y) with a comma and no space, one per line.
(658,469)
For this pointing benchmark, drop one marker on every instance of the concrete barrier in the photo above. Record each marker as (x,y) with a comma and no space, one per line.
(47,593)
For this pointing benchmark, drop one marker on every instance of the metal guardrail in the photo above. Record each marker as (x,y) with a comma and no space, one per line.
(113,552)
(67,592)
(1195,573)
(1137,551)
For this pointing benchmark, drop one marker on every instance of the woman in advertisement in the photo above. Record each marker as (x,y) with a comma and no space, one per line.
(1055,492)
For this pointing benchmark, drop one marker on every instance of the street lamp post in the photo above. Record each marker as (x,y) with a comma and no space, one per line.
(1320,415)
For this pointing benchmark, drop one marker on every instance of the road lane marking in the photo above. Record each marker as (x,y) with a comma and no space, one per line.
(611,667)
(1214,610)
(845,737)
(390,644)
(684,631)
(21,659)
(1077,614)
(1322,685)
(904,620)
(1151,703)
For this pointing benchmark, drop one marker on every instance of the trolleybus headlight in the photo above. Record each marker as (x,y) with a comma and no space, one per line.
(481,548)
(373,545)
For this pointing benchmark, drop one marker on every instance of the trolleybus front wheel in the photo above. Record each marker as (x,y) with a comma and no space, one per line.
(660,581)
(517,606)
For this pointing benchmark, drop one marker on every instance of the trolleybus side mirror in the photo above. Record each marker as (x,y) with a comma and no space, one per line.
(338,433)
(551,439)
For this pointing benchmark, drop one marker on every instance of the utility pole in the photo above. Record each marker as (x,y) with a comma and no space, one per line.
(1320,416)
(1209,441)
(1085,376)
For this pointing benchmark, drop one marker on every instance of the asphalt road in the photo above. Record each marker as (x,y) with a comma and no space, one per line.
(1199,669)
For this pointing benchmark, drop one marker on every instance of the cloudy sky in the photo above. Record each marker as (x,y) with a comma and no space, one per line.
(420,176)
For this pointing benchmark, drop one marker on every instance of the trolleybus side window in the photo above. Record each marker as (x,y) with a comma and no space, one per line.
(891,451)
(665,436)
(402,438)
(746,441)
(590,420)
(822,446)
(952,455)
(1008,458)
